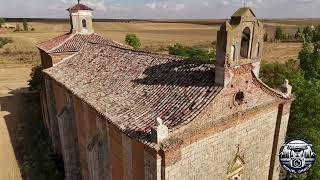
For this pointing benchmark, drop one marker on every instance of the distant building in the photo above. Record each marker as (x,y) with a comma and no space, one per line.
(119,113)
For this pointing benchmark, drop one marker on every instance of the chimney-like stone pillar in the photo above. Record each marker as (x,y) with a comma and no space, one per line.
(286,88)
(160,132)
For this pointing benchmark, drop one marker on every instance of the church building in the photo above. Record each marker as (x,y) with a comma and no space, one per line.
(118,113)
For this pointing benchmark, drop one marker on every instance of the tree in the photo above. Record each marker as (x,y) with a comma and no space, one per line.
(305,119)
(2,21)
(133,40)
(25,25)
(17,27)
(192,52)
(308,33)
(305,110)
(305,80)
(279,34)
(265,37)
(36,81)
(298,33)
(4,41)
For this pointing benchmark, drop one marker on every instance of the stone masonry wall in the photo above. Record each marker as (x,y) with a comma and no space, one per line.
(281,139)
(208,158)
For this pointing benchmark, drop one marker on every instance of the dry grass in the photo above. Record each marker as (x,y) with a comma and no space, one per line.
(280,52)
(155,36)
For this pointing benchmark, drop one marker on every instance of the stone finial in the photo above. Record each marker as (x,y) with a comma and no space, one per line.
(159,121)
(286,88)
(160,132)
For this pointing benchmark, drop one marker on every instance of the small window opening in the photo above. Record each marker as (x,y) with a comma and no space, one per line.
(245,42)
(258,50)
(236,177)
(84,23)
(239,98)
(233,53)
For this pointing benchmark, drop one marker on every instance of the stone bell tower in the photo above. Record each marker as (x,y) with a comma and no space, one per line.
(239,42)
(81,18)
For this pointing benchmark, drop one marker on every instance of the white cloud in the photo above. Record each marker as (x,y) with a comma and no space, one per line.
(224,2)
(97,6)
(53,7)
(151,5)
(165,6)
(180,7)
(206,4)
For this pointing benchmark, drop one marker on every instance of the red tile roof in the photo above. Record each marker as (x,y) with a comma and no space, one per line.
(74,42)
(78,7)
(132,88)
(52,43)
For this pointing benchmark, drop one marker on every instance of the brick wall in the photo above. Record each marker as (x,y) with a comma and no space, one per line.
(209,143)
(209,157)
(46,60)
(126,158)
(58,57)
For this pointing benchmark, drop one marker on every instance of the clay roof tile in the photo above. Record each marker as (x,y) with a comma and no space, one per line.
(132,88)
(78,7)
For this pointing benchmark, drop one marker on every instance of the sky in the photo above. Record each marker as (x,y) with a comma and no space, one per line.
(162,9)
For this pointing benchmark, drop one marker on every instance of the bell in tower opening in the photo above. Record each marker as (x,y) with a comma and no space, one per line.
(239,42)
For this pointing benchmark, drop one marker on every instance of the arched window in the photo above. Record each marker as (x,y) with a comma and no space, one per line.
(258,49)
(245,43)
(84,23)
(233,53)
(235,170)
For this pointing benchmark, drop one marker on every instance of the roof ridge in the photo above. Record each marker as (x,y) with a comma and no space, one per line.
(148,52)
(44,41)
(266,88)
(56,47)
(107,38)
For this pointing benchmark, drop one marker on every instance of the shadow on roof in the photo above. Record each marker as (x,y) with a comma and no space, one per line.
(180,73)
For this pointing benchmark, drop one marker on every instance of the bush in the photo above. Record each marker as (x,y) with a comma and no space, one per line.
(274,74)
(279,34)
(305,111)
(2,21)
(25,25)
(17,28)
(4,41)
(265,37)
(36,81)
(192,52)
(133,40)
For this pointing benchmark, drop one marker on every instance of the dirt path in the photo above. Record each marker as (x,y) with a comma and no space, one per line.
(9,168)
(12,77)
